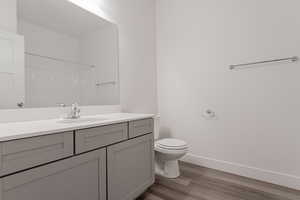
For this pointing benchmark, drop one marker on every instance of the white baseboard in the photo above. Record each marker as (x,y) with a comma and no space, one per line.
(286,180)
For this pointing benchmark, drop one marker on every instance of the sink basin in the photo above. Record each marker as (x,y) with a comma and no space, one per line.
(81,120)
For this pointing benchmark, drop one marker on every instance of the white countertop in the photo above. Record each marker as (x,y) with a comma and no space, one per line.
(19,130)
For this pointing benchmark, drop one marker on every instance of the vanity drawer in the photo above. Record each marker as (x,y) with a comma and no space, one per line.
(22,154)
(140,127)
(93,138)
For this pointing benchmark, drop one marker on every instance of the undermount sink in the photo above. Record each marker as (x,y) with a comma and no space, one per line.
(81,120)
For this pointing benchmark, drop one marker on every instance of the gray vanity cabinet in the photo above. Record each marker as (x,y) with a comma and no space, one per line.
(130,168)
(94,138)
(112,162)
(77,178)
(22,154)
(140,127)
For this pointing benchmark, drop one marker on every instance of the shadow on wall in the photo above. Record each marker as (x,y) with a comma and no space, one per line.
(164,132)
(160,132)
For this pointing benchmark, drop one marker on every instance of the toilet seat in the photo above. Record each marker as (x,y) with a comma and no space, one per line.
(171,144)
(170,151)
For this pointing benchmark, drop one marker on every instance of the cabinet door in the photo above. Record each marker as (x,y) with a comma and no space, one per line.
(130,167)
(77,178)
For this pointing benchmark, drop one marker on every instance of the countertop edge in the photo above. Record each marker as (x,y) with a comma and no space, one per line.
(75,127)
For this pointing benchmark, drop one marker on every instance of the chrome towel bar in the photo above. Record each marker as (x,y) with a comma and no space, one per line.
(291,59)
(106,83)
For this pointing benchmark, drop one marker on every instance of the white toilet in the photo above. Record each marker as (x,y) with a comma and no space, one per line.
(167,153)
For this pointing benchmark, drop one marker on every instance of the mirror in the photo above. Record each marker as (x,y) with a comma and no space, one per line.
(70,55)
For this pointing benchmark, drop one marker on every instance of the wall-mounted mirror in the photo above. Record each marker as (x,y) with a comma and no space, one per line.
(70,55)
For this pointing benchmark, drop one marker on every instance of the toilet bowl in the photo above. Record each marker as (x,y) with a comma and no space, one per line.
(167,153)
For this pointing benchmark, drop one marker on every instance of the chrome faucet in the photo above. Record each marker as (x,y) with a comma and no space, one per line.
(74,112)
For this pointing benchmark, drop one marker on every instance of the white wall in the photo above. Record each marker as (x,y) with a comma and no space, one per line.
(256,132)
(12,89)
(9,52)
(50,82)
(45,41)
(101,49)
(8,15)
(136,24)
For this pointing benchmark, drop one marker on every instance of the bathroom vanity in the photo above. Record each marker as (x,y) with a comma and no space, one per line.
(112,158)
(53,61)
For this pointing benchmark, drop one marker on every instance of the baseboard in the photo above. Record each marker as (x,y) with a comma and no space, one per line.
(286,180)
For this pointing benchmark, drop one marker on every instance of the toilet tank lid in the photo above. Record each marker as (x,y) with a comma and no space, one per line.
(170,142)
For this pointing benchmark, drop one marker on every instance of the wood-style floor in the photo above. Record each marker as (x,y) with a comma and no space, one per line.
(200,183)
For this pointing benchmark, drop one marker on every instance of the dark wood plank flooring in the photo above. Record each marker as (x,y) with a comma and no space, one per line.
(200,183)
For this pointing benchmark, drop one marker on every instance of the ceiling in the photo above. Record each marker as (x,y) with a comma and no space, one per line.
(60,15)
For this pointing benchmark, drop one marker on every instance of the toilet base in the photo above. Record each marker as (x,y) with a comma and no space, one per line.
(168,169)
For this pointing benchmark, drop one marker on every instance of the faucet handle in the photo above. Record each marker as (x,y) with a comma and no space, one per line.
(75,110)
(74,105)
